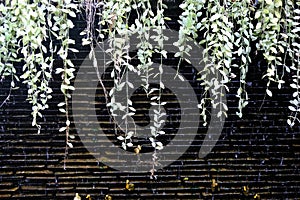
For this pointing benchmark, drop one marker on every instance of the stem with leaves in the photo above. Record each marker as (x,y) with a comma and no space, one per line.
(143,25)
(37,68)
(115,16)
(242,15)
(218,54)
(61,28)
(267,30)
(189,26)
(295,102)
(8,53)
(159,23)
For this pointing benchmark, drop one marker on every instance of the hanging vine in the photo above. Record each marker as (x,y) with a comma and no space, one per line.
(8,53)
(143,25)
(115,16)
(32,31)
(294,52)
(60,29)
(28,30)
(267,31)
(30,25)
(159,26)
(241,14)
(218,54)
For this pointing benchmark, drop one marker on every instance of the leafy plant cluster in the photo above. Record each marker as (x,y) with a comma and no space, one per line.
(28,30)
(28,33)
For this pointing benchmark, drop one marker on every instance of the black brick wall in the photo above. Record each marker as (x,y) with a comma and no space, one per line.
(259,151)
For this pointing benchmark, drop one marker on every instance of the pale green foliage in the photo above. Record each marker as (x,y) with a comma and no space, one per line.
(143,25)
(228,29)
(295,50)
(25,27)
(30,30)
(115,16)
(60,29)
(159,27)
(242,16)
(276,37)
(218,53)
(189,25)
(267,32)
(8,40)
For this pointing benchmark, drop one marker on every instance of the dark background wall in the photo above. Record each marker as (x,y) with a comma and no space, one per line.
(259,151)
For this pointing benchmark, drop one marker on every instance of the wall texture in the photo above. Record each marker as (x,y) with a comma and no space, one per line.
(259,152)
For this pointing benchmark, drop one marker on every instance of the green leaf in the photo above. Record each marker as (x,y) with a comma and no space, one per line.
(293,85)
(71,87)
(289,122)
(240,51)
(215,17)
(120,137)
(72,14)
(68,122)
(62,110)
(273,49)
(59,70)
(62,129)
(61,104)
(269,92)
(130,84)
(180,77)
(129,144)
(70,144)
(292,108)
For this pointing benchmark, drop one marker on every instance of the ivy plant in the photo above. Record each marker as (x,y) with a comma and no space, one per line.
(35,33)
